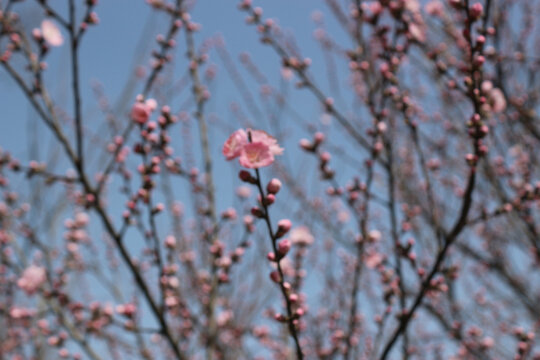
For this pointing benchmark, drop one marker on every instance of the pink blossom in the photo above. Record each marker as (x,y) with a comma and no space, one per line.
(434,7)
(32,278)
(271,142)
(256,155)
(374,7)
(412,5)
(374,259)
(152,104)
(498,101)
(20,312)
(301,236)
(234,144)
(243,192)
(417,32)
(140,112)
(51,33)
(255,151)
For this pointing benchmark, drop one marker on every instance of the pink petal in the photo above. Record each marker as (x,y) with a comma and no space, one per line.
(234,144)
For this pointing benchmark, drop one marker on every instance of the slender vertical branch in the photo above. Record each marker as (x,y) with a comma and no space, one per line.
(290,316)
(74,48)
(211,236)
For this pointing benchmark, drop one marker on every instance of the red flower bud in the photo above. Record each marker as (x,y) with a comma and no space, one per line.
(257,212)
(274,275)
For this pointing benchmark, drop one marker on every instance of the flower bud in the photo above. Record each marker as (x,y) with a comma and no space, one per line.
(170,242)
(318,138)
(283,247)
(476,11)
(270,199)
(306,145)
(273,186)
(140,113)
(274,275)
(284,226)
(257,212)
(245,176)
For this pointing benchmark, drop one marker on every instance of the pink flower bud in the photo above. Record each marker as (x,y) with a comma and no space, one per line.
(229,214)
(283,227)
(481,39)
(270,199)
(476,11)
(318,138)
(283,247)
(273,186)
(479,60)
(140,113)
(170,242)
(306,145)
(325,157)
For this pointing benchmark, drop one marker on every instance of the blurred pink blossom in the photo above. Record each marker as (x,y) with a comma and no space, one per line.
(140,112)
(51,33)
(32,278)
(301,236)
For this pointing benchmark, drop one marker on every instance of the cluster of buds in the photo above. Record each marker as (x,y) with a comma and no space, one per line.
(525,343)
(161,57)
(283,246)
(35,168)
(437,285)
(154,140)
(118,148)
(9,21)
(296,301)
(390,282)
(324,157)
(312,146)
(255,14)
(54,340)
(406,251)
(296,64)
(100,316)
(477,129)
(76,231)
(269,198)
(129,310)
(372,11)
(225,262)
(354,190)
